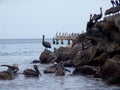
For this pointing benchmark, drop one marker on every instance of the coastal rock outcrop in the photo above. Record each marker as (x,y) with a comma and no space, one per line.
(47,56)
(95,53)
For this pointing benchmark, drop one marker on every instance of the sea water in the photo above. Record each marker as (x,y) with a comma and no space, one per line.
(23,52)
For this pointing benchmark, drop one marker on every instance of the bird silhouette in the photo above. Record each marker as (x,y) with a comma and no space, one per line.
(116,3)
(97,16)
(109,11)
(32,73)
(90,23)
(112,2)
(45,44)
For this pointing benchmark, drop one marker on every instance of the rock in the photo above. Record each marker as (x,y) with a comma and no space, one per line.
(84,57)
(110,72)
(68,63)
(85,70)
(100,60)
(108,69)
(63,53)
(47,56)
(109,29)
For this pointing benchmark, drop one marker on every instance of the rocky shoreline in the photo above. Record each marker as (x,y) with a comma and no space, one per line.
(95,53)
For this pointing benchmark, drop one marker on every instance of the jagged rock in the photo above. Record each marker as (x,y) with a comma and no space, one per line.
(112,47)
(84,57)
(47,56)
(63,53)
(110,71)
(100,60)
(68,63)
(85,70)
(109,29)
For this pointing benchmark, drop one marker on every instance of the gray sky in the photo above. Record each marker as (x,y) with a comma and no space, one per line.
(33,18)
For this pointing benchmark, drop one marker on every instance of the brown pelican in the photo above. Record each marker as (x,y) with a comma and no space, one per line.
(90,23)
(116,3)
(97,16)
(109,11)
(53,41)
(10,73)
(32,73)
(60,70)
(112,2)
(45,44)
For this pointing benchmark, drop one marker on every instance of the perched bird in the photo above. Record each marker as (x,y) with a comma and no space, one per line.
(32,73)
(109,11)
(116,3)
(53,41)
(112,2)
(60,70)
(90,23)
(97,16)
(45,44)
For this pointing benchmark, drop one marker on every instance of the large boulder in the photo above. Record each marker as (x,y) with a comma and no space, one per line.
(84,57)
(109,29)
(47,56)
(110,71)
(68,63)
(85,70)
(63,53)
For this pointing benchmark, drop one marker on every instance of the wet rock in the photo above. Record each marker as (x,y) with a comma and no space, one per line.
(109,29)
(100,60)
(63,54)
(85,70)
(68,63)
(47,56)
(84,57)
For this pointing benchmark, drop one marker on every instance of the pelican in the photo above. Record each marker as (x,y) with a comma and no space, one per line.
(112,2)
(32,73)
(97,16)
(45,44)
(117,3)
(90,23)
(10,73)
(109,11)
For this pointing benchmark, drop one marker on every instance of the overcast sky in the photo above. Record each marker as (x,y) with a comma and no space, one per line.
(33,18)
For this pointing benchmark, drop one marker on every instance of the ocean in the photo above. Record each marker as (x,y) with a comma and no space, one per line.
(23,52)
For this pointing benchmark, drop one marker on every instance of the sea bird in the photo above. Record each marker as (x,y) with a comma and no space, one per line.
(32,73)
(90,23)
(10,73)
(112,2)
(45,44)
(97,16)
